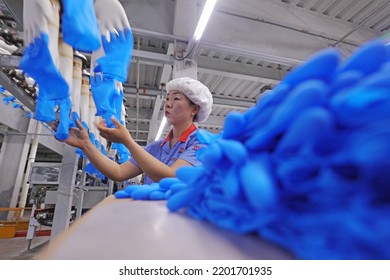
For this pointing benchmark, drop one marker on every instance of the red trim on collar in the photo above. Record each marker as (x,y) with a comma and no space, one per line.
(183,137)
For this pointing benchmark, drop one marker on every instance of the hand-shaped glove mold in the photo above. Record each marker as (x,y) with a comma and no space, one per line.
(112,18)
(40,57)
(118,51)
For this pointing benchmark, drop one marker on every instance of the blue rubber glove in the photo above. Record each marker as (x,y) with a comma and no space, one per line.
(104,150)
(313,128)
(235,125)
(344,80)
(45,109)
(118,52)
(64,124)
(231,184)
(206,137)
(144,192)
(123,154)
(92,137)
(259,183)
(367,59)
(320,66)
(361,106)
(166,183)
(73,117)
(210,156)
(38,64)
(8,100)
(235,151)
(117,103)
(79,25)
(181,199)
(189,173)
(104,92)
(307,95)
(122,194)
(90,169)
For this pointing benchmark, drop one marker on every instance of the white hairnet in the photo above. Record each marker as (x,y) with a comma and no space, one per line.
(197,92)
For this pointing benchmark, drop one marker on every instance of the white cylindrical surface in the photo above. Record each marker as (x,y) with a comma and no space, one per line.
(76,84)
(84,99)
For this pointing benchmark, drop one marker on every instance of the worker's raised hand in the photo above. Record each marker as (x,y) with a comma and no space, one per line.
(118,134)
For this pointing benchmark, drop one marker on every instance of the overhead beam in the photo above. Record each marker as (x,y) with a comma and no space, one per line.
(241,103)
(220,67)
(267,30)
(240,71)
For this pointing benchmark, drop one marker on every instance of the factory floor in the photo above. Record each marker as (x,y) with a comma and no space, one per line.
(17,248)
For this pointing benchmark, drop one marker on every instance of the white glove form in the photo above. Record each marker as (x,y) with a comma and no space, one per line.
(111,17)
(42,16)
(84,98)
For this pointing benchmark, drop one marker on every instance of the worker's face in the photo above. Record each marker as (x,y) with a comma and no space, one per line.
(178,108)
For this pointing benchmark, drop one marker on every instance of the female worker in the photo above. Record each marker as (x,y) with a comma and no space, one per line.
(188,101)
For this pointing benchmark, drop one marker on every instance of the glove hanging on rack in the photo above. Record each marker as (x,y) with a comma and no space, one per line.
(104,92)
(118,51)
(39,59)
(117,40)
(79,25)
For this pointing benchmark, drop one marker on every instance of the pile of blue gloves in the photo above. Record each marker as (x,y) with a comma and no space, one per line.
(306,168)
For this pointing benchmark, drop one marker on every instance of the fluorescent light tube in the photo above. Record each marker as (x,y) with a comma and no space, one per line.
(161,128)
(204,18)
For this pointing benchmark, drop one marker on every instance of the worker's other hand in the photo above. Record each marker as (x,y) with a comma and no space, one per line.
(118,134)
(79,25)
